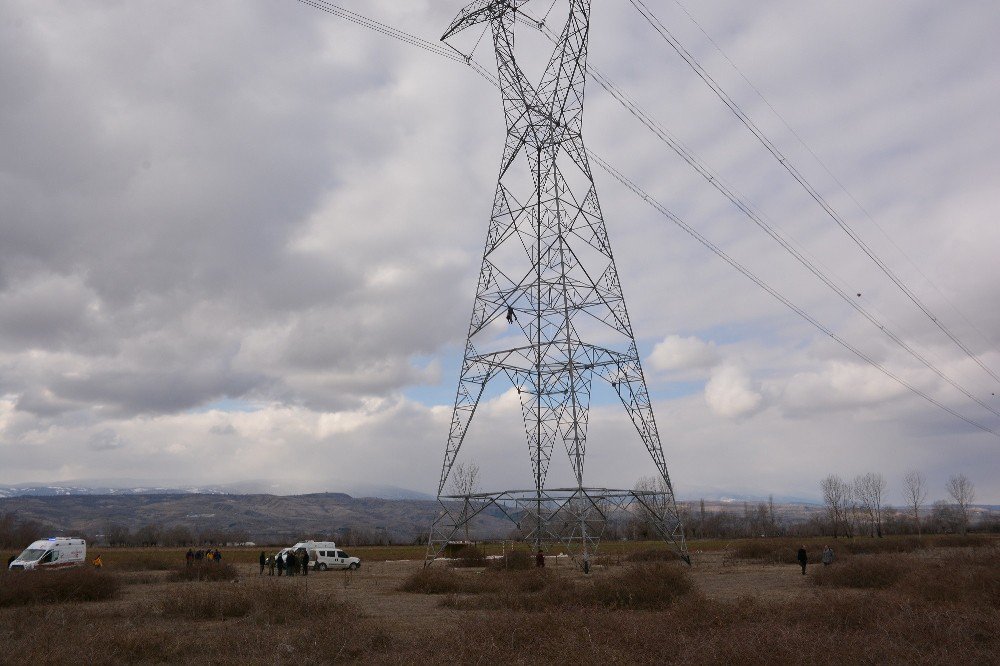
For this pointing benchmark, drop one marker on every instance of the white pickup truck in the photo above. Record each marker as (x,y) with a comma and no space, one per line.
(325,555)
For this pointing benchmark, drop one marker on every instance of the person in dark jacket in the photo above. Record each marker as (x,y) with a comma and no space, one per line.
(189,557)
(263,562)
(803,559)
(281,564)
(291,564)
(305,562)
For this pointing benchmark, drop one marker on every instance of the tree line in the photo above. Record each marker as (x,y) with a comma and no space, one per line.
(858,507)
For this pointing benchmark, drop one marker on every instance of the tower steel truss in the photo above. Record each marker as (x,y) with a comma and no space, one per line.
(549,314)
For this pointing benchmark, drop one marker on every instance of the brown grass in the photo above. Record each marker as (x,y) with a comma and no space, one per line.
(267,600)
(784,551)
(207,571)
(944,607)
(44,587)
(866,572)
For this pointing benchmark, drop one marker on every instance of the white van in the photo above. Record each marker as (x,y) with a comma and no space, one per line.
(325,555)
(52,553)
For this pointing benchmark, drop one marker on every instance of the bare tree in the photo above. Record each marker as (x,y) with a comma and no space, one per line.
(464,482)
(835,496)
(916,494)
(869,492)
(964,493)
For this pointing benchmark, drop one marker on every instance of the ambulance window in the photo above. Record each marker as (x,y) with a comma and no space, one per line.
(31,554)
(47,558)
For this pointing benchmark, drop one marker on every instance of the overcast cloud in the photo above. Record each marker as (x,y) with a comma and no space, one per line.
(236,228)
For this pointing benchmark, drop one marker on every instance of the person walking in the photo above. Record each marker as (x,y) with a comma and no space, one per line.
(803,558)
(263,562)
(827,558)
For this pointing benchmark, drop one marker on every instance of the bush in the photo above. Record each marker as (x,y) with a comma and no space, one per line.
(71,584)
(654,555)
(208,571)
(865,572)
(515,560)
(775,551)
(268,601)
(650,586)
(430,580)
(469,556)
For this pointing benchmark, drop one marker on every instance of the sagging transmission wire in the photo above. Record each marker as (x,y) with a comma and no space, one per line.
(707,78)
(826,168)
(719,252)
(756,217)
(456,56)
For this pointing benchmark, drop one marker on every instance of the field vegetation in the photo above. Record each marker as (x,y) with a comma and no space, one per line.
(914,602)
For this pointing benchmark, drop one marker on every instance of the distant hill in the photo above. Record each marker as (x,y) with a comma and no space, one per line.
(259,517)
(133,487)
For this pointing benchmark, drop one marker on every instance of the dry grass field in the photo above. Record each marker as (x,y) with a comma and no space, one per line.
(889,601)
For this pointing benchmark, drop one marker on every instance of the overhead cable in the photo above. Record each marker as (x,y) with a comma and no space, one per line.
(668,37)
(827,169)
(631,185)
(757,218)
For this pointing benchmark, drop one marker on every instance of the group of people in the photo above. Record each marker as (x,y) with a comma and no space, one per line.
(803,557)
(193,557)
(289,562)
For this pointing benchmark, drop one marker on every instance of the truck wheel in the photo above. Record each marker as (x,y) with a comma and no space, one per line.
(354,565)
(322,566)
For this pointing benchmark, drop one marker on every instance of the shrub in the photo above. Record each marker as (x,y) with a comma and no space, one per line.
(776,551)
(515,560)
(71,584)
(268,601)
(430,580)
(209,571)
(653,555)
(649,586)
(866,572)
(469,556)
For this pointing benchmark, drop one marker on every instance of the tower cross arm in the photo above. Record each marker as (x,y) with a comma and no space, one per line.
(478,12)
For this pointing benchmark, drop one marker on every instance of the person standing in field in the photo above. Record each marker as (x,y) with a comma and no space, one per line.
(291,564)
(189,557)
(803,559)
(263,562)
(827,556)
(305,562)
(281,564)
(270,565)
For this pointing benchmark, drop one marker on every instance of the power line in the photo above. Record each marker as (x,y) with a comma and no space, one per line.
(472,63)
(828,171)
(757,218)
(667,36)
(660,208)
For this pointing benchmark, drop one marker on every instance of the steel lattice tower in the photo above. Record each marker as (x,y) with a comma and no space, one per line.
(549,314)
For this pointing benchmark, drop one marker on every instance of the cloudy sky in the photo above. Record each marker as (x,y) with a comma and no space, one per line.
(239,240)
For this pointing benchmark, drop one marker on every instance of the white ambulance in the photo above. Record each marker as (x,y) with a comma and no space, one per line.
(325,555)
(52,553)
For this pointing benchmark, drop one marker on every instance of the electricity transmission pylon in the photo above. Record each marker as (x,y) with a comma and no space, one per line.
(549,314)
